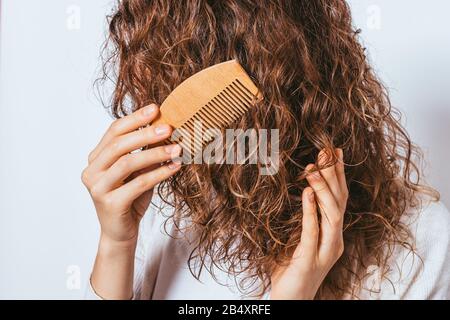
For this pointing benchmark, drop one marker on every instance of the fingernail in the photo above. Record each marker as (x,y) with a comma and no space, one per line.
(174,165)
(173,150)
(161,129)
(149,110)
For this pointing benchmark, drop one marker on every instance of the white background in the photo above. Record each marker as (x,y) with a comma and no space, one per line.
(50,119)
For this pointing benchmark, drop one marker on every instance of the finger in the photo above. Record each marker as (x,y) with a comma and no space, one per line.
(133,189)
(340,173)
(310,226)
(323,193)
(135,162)
(329,173)
(331,226)
(125,125)
(128,143)
(329,209)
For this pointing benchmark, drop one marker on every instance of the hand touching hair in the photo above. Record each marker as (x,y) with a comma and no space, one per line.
(321,241)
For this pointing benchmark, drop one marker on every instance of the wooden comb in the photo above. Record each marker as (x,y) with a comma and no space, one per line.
(216,97)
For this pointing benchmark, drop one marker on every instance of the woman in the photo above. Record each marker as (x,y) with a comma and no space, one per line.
(345,216)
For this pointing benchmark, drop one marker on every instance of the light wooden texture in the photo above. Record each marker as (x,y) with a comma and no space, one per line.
(215,96)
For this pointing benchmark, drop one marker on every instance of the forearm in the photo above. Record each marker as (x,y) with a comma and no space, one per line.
(112,276)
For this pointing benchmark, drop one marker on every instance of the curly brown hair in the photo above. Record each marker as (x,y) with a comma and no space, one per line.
(320,92)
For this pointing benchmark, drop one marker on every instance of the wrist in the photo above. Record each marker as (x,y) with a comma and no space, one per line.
(113,248)
(112,275)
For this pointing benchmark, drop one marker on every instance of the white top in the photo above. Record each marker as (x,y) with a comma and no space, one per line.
(161,270)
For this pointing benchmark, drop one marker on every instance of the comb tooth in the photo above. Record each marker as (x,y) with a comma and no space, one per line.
(198,142)
(202,116)
(237,100)
(212,112)
(206,118)
(182,143)
(186,129)
(194,138)
(205,133)
(219,101)
(230,100)
(199,119)
(245,89)
(218,113)
(231,110)
(222,106)
(243,104)
(240,94)
(211,116)
(235,111)
(208,138)
(224,100)
(223,111)
(236,96)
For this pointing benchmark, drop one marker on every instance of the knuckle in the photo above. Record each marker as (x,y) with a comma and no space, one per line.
(85,177)
(108,201)
(123,164)
(141,182)
(96,192)
(314,231)
(336,224)
(320,188)
(149,131)
(345,194)
(114,127)
(90,157)
(115,145)
(144,182)
(160,152)
(336,221)
(343,206)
